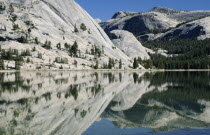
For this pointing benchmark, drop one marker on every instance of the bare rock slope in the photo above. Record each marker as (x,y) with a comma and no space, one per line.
(127,42)
(157,20)
(48,29)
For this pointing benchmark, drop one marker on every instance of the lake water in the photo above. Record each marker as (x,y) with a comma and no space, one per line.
(105,103)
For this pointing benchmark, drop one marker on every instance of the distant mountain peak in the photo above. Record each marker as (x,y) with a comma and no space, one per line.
(121,14)
(165,10)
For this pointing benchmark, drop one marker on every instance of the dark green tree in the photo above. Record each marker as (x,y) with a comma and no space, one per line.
(120,64)
(47,45)
(74,49)
(2,64)
(97,65)
(58,46)
(83,27)
(36,40)
(135,63)
(75,28)
(111,63)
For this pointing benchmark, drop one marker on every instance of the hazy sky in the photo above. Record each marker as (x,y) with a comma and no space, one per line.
(104,9)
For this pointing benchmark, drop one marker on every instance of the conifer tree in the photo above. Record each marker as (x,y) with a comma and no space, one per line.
(2,64)
(120,64)
(135,63)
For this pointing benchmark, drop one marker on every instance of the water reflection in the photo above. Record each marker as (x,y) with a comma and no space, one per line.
(70,102)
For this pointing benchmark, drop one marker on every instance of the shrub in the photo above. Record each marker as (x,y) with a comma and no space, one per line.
(67,46)
(83,27)
(40,55)
(23,39)
(15,26)
(47,45)
(75,29)
(28,60)
(36,40)
(58,46)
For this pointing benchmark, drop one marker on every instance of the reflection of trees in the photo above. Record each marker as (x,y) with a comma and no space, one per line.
(110,76)
(12,86)
(73,90)
(57,94)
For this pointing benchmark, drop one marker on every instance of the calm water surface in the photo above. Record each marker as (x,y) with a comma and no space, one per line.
(105,103)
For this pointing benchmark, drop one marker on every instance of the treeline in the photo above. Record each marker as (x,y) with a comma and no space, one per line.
(187,54)
(191,47)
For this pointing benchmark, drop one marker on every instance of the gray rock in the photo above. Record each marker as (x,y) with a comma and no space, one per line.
(199,29)
(127,42)
(55,21)
(165,10)
(157,20)
(146,37)
(98,20)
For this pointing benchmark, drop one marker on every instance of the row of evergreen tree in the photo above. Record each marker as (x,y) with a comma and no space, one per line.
(186,54)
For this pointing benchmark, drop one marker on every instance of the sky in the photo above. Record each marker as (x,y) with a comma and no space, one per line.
(105,9)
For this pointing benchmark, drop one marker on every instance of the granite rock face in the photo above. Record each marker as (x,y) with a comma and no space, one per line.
(55,21)
(157,20)
(146,37)
(127,42)
(199,29)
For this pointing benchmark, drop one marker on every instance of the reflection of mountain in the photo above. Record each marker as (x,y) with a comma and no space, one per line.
(69,102)
(56,102)
(173,100)
(127,98)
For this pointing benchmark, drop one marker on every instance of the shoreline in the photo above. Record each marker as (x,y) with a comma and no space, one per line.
(111,70)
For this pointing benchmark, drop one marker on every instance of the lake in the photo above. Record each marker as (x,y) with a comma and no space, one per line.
(104,103)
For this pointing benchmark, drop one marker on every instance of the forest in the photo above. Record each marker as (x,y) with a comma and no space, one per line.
(184,54)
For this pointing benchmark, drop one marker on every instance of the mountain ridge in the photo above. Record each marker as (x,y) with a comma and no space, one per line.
(156,20)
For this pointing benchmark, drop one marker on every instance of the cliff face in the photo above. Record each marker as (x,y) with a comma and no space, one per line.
(27,24)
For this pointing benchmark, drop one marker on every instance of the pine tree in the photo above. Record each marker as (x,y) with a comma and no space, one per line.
(2,64)
(97,64)
(17,63)
(75,28)
(120,64)
(135,63)
(110,63)
(74,49)
(47,45)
